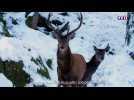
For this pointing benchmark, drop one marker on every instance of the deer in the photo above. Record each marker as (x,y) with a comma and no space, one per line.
(94,63)
(71,66)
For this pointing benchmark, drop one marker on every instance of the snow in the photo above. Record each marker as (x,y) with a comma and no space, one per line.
(100,28)
(16,48)
(4,82)
(114,71)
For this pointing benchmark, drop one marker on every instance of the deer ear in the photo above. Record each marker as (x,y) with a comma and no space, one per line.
(95,48)
(107,48)
(71,36)
(56,36)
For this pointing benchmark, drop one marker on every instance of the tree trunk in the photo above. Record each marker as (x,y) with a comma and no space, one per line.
(129,27)
(35,20)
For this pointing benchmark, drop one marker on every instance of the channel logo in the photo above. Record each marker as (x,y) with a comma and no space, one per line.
(122,17)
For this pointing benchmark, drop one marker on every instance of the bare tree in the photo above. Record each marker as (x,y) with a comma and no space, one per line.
(129,27)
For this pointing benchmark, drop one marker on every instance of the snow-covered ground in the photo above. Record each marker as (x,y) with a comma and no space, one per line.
(99,28)
(4,82)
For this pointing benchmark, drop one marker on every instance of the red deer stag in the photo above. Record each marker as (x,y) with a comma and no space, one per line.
(71,67)
(93,64)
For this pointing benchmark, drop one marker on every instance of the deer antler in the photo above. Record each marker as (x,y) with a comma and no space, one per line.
(48,22)
(56,31)
(65,27)
(81,20)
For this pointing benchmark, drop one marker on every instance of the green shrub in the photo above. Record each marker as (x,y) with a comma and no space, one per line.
(49,63)
(29,21)
(14,72)
(43,71)
(14,21)
(5,30)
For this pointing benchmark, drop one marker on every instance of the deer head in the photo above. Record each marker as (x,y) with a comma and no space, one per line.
(100,53)
(63,41)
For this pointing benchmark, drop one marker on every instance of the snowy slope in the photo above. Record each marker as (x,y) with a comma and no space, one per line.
(4,82)
(16,48)
(99,29)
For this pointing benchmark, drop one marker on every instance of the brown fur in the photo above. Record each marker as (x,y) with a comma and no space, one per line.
(71,67)
(94,63)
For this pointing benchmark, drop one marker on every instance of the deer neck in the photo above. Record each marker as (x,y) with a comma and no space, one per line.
(94,61)
(64,60)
